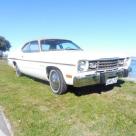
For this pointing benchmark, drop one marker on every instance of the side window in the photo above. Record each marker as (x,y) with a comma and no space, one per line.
(34,46)
(45,46)
(49,46)
(26,47)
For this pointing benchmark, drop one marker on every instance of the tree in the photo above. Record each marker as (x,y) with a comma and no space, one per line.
(4,44)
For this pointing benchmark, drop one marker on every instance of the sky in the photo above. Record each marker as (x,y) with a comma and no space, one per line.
(95,25)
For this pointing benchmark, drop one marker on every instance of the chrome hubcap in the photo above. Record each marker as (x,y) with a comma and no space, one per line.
(55,83)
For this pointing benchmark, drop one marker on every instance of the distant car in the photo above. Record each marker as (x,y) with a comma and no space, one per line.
(62,63)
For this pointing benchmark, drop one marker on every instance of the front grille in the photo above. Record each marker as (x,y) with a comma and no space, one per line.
(104,64)
(107,64)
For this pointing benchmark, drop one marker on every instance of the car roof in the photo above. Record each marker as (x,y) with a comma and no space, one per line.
(52,39)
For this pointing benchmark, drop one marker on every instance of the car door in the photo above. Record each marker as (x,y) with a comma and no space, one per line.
(31,57)
(23,62)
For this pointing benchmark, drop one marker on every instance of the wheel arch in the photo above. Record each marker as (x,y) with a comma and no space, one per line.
(49,68)
(14,63)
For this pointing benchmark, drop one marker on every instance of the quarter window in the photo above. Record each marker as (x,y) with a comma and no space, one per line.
(34,46)
(26,47)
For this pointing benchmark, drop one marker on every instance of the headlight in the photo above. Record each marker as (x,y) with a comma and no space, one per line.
(83,65)
(92,65)
(121,62)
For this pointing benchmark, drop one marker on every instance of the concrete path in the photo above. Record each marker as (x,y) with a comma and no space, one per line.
(5,129)
(1,133)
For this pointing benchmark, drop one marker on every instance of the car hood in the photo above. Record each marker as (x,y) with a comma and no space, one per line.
(74,56)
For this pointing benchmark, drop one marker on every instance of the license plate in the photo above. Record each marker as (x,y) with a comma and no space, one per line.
(111,81)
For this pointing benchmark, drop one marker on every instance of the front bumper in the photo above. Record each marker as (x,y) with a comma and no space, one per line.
(98,78)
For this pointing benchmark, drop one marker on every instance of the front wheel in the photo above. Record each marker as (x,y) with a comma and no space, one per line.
(57,82)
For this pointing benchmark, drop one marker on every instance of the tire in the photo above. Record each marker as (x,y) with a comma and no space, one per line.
(18,72)
(57,82)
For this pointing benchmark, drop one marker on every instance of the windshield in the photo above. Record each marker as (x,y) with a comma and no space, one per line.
(53,44)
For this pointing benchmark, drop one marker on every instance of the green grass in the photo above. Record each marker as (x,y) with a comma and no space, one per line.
(34,111)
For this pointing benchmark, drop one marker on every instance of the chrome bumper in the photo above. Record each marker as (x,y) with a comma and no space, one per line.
(98,78)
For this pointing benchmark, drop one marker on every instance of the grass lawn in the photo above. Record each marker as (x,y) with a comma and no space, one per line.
(92,111)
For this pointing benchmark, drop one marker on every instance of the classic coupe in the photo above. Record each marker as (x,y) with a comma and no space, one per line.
(63,63)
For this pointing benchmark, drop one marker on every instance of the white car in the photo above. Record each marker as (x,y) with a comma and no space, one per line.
(62,63)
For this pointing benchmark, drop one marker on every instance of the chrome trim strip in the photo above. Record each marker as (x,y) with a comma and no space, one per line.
(43,62)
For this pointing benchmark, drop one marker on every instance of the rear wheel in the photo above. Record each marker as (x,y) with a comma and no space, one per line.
(18,72)
(57,82)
